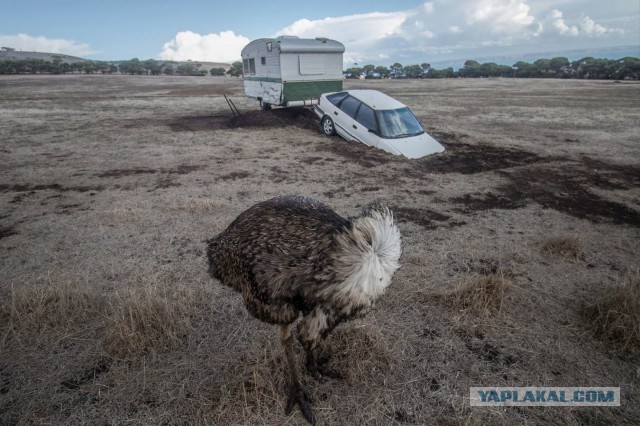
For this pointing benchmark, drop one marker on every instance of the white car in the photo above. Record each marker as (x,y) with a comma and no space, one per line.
(375,119)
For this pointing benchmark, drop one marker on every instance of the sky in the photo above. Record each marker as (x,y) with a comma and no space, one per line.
(373,31)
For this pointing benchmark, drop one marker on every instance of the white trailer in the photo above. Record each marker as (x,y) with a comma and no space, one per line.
(290,71)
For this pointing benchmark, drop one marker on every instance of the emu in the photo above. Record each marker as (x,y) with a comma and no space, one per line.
(293,256)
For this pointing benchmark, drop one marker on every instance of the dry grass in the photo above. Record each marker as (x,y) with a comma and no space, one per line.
(131,322)
(566,246)
(107,315)
(481,295)
(142,319)
(616,316)
(35,309)
(359,352)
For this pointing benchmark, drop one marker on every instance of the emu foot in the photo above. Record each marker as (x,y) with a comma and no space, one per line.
(298,396)
(318,369)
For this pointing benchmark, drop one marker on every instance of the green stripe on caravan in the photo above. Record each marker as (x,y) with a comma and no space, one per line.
(266,79)
(300,90)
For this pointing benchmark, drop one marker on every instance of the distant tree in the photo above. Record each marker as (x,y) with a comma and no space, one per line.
(560,66)
(627,68)
(151,66)
(542,68)
(449,73)
(368,70)
(412,71)
(89,67)
(167,68)
(56,65)
(353,72)
(186,69)
(425,68)
(235,70)
(382,71)
(523,69)
(471,68)
(595,68)
(395,71)
(491,69)
(133,66)
(217,71)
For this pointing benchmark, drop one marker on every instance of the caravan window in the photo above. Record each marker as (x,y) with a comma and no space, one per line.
(249,66)
(312,64)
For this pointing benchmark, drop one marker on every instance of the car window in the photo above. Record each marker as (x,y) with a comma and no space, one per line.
(349,106)
(398,123)
(367,117)
(335,98)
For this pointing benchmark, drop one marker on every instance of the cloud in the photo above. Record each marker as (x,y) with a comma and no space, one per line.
(223,47)
(584,27)
(500,13)
(444,30)
(354,29)
(43,44)
(449,29)
(590,28)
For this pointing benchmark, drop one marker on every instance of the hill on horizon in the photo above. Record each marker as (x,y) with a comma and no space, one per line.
(16,55)
(7,54)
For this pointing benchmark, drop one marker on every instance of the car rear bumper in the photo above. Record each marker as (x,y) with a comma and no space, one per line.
(319,112)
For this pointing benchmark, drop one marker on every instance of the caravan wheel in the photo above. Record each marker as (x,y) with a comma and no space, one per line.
(265,106)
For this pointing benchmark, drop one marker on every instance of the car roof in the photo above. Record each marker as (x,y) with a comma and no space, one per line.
(375,99)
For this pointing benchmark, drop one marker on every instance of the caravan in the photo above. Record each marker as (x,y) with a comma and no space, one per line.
(290,71)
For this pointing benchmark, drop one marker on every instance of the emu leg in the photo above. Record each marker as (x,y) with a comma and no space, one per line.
(317,366)
(311,330)
(296,394)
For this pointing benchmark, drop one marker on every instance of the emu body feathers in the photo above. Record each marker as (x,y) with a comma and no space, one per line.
(294,256)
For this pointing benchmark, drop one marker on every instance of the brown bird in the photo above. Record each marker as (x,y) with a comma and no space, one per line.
(293,256)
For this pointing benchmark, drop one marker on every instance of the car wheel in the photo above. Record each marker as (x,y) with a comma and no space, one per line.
(327,126)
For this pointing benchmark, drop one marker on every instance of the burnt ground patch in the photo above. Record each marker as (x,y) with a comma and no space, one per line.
(356,152)
(200,123)
(200,91)
(236,175)
(51,186)
(7,231)
(427,218)
(180,170)
(469,159)
(565,187)
(278,117)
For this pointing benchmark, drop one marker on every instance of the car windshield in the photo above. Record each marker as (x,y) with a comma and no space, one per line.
(398,123)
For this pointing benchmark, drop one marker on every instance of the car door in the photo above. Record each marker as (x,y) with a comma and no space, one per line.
(365,125)
(344,118)
(354,120)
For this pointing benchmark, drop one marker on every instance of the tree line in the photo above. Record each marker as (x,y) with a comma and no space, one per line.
(133,66)
(559,67)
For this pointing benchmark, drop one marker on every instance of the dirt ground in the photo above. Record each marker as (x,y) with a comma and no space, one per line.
(109,186)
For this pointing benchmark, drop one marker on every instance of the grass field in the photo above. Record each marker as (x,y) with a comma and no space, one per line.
(520,252)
